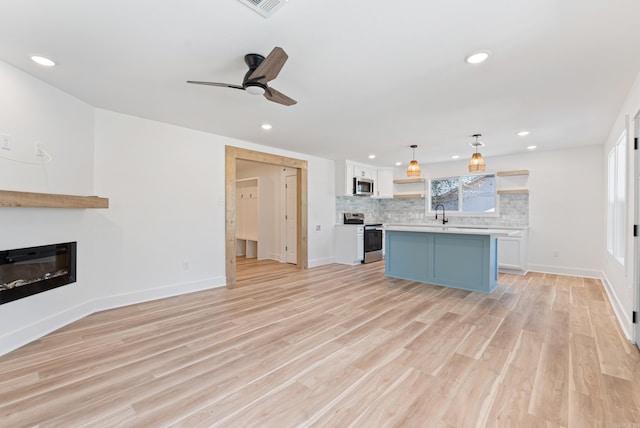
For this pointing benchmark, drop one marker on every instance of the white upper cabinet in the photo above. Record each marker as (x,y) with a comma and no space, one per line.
(345,172)
(363,171)
(344,178)
(384,183)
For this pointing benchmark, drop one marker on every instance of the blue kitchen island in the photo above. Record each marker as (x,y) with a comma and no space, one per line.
(465,258)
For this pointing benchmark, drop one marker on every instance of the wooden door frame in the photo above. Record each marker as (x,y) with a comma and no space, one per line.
(232,154)
(635,327)
(284,213)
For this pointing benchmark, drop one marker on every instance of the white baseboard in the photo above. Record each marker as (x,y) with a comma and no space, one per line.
(27,334)
(171,290)
(17,338)
(624,319)
(320,262)
(569,271)
(275,256)
(513,271)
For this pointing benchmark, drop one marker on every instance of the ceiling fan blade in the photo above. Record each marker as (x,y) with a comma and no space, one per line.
(270,67)
(278,97)
(224,85)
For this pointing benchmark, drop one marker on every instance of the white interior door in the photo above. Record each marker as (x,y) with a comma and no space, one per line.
(291,223)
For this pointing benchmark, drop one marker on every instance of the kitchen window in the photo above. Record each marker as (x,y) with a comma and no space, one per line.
(467,194)
(616,198)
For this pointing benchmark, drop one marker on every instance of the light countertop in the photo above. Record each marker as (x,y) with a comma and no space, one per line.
(460,230)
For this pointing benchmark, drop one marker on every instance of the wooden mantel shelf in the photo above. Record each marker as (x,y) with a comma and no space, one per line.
(10,198)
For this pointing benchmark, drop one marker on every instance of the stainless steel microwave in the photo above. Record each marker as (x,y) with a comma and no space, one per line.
(362,186)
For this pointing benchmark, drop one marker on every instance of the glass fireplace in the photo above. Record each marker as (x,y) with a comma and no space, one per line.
(28,271)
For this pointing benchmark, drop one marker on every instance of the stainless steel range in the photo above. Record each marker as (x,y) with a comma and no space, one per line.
(372,237)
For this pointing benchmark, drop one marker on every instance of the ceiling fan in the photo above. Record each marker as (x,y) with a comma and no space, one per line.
(261,71)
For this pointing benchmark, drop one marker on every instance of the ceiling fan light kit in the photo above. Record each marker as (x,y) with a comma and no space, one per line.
(255,89)
(476,164)
(261,71)
(414,168)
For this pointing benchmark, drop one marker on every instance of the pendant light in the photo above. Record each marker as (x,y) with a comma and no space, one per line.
(414,168)
(476,164)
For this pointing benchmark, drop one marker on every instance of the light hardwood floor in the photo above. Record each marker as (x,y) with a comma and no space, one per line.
(335,346)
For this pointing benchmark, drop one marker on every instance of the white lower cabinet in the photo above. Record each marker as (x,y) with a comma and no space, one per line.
(348,244)
(512,254)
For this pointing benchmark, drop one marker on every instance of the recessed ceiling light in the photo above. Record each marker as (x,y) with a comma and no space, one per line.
(531,147)
(398,163)
(477,57)
(266,126)
(523,133)
(46,62)
(372,156)
(455,157)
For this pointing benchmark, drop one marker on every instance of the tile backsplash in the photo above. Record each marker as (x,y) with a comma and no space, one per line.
(358,204)
(513,211)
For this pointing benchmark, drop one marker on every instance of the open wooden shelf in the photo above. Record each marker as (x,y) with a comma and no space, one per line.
(409,180)
(409,195)
(507,173)
(10,198)
(513,192)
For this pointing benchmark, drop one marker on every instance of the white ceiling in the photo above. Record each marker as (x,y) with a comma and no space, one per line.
(370,76)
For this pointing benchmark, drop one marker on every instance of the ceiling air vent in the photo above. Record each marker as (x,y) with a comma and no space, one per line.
(265,8)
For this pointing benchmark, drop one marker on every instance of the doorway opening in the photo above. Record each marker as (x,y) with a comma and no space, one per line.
(232,155)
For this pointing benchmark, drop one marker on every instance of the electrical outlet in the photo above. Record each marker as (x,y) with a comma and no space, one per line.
(185,265)
(317,228)
(556,253)
(5,142)
(39,149)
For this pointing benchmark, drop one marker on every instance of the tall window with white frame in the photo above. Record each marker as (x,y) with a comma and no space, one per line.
(617,198)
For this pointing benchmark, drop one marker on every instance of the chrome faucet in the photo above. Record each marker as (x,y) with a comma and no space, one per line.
(444,219)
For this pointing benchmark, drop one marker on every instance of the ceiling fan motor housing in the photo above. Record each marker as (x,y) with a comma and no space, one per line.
(253,61)
(251,85)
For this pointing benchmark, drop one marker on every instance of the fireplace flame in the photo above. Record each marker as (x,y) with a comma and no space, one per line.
(21,282)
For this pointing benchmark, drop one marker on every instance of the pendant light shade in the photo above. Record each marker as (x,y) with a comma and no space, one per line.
(476,164)
(414,168)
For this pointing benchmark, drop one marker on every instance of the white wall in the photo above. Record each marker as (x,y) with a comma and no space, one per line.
(31,110)
(167,183)
(321,210)
(166,191)
(566,195)
(620,280)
